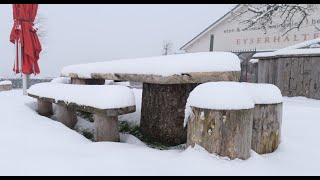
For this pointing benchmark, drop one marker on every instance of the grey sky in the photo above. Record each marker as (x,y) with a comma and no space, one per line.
(89,33)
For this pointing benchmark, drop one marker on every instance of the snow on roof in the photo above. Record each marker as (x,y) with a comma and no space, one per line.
(161,65)
(97,96)
(264,93)
(5,82)
(307,47)
(219,96)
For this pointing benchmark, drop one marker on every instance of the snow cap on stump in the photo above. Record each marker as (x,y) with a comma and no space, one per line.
(5,83)
(264,93)
(219,96)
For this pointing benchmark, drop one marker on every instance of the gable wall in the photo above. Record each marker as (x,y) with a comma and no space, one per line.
(228,36)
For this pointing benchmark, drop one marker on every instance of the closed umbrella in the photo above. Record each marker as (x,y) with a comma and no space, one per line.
(24,36)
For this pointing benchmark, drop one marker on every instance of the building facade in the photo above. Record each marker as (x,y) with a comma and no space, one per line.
(227,34)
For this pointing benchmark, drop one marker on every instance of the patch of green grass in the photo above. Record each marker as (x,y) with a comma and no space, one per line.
(85,115)
(88,135)
(129,128)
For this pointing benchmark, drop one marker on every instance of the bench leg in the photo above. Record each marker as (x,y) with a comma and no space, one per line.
(106,128)
(67,116)
(44,108)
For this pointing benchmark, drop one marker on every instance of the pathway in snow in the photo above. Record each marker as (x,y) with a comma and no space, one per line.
(35,145)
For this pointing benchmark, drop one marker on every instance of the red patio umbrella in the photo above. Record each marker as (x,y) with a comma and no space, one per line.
(25,37)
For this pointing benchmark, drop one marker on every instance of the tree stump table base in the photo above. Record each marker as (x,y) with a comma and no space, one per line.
(162,112)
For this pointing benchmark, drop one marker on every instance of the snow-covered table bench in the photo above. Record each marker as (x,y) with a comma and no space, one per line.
(167,82)
(5,86)
(105,102)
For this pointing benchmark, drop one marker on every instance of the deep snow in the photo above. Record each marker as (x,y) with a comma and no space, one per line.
(35,145)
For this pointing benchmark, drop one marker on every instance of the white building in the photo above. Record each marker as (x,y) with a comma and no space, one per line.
(226,35)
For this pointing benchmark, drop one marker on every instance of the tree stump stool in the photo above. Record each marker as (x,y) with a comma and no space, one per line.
(219,117)
(267,117)
(5,86)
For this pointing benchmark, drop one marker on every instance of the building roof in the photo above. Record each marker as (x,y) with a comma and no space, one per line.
(211,26)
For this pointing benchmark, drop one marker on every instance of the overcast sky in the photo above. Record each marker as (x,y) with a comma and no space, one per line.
(90,33)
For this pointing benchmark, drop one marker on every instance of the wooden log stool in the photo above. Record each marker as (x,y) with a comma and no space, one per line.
(219,117)
(267,117)
(5,86)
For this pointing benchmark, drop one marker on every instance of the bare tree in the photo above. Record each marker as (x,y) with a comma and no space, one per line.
(167,47)
(262,16)
(39,24)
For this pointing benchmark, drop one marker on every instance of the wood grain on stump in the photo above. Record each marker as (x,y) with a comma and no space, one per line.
(266,133)
(226,133)
(44,108)
(67,116)
(106,128)
(162,112)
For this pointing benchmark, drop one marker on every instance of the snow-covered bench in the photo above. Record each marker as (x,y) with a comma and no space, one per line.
(105,102)
(5,86)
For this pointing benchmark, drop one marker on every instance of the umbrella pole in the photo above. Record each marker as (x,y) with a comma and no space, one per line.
(24,83)
(24,76)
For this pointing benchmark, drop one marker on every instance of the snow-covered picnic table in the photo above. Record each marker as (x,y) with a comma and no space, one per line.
(167,82)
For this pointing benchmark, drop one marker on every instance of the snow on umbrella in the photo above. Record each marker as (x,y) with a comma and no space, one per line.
(25,37)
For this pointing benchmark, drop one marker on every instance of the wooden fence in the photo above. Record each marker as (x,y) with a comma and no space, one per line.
(295,75)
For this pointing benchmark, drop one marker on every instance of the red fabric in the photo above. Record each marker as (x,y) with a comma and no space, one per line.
(24,16)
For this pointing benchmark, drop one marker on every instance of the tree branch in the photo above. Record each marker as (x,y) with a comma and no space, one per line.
(262,16)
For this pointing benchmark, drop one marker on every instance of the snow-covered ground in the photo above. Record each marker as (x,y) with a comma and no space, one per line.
(35,145)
